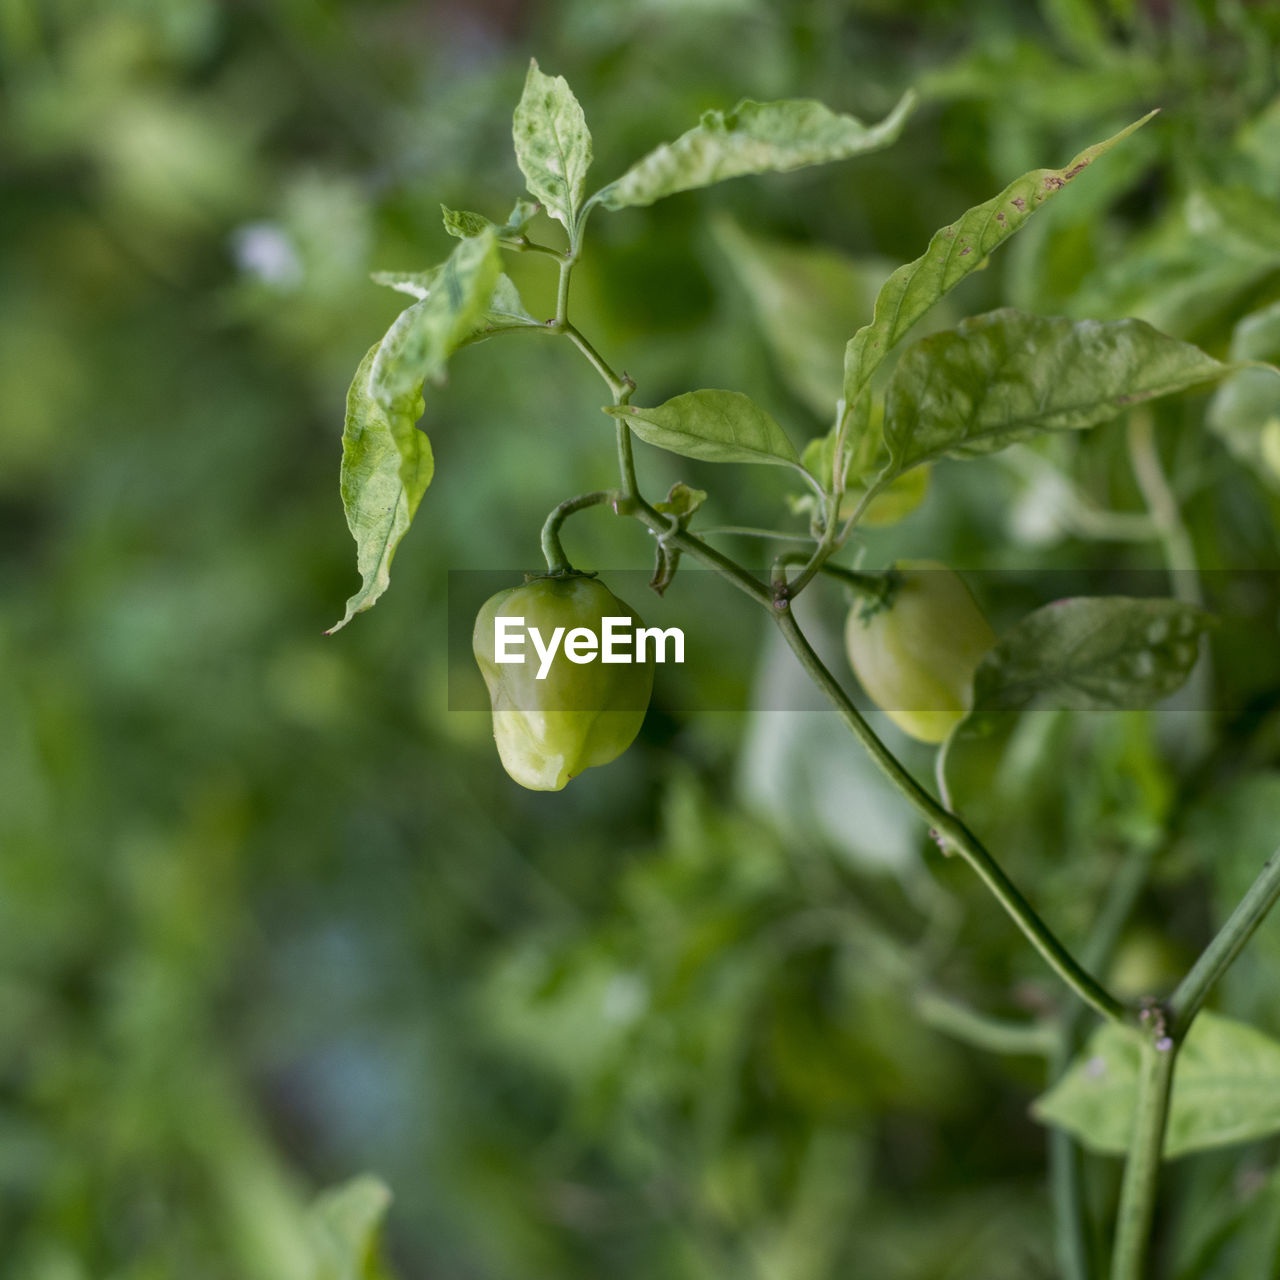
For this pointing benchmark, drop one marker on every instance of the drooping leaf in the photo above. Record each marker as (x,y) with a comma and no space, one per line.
(343,1226)
(425,335)
(386,468)
(553,144)
(1090,653)
(1005,376)
(954,252)
(755,137)
(716,426)
(1226,1088)
(806,298)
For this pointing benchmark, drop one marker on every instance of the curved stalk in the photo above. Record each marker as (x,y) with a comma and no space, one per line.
(552,550)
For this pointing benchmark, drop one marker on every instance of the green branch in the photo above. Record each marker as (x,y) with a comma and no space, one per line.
(1218,956)
(997,1035)
(1142,1168)
(946,826)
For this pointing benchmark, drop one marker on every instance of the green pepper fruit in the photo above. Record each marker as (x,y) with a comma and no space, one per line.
(582,712)
(916,655)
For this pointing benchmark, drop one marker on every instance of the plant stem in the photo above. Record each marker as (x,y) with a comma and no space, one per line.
(1065,1172)
(557,561)
(999,1035)
(619,388)
(693,546)
(956,834)
(1179,555)
(562,286)
(1142,1169)
(1068,1204)
(1217,957)
(627,462)
(748,531)
(947,826)
(523,244)
(873,585)
(825,547)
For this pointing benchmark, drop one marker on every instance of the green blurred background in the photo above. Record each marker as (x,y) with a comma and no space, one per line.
(271,916)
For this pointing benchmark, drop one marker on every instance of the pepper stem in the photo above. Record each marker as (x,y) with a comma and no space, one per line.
(552,549)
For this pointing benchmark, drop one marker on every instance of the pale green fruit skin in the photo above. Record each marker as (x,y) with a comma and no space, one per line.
(580,715)
(916,659)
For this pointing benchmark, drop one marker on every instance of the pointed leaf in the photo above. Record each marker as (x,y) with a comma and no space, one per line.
(343,1225)
(553,144)
(755,137)
(716,426)
(423,338)
(1090,653)
(1226,1088)
(1001,377)
(464,224)
(386,468)
(954,252)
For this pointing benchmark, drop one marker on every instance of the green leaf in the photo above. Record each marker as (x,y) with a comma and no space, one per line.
(506,310)
(682,501)
(805,299)
(716,426)
(1090,653)
(1001,377)
(1245,410)
(553,144)
(755,137)
(954,252)
(343,1226)
(386,468)
(424,336)
(465,225)
(417,284)
(1226,1088)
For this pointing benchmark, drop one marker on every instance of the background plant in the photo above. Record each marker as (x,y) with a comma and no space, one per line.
(265,925)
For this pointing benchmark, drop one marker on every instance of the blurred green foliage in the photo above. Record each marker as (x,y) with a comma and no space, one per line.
(270,915)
